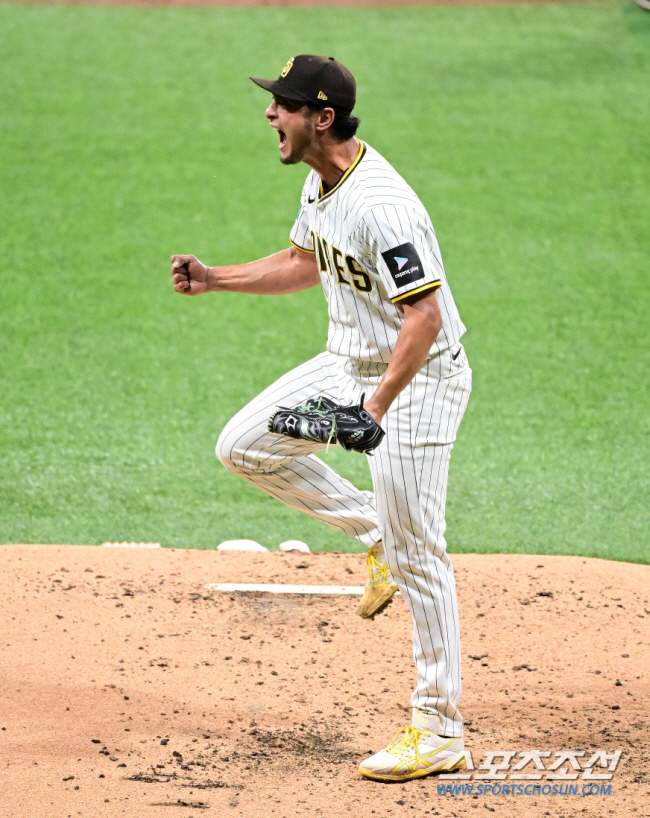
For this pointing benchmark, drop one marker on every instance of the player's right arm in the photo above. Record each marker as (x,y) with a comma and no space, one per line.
(288,271)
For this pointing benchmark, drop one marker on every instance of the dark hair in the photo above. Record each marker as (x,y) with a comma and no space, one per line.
(344,126)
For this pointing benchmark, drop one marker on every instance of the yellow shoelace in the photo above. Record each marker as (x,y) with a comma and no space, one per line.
(378,571)
(406,741)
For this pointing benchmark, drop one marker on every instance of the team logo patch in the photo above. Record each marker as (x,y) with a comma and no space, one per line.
(404,264)
(286,68)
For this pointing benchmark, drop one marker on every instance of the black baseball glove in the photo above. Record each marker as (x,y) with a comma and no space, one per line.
(323,421)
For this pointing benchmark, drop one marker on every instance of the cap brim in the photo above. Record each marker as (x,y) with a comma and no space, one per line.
(276,87)
(266,84)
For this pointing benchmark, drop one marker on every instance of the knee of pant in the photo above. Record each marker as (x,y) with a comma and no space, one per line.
(422,557)
(234,454)
(396,570)
(227,453)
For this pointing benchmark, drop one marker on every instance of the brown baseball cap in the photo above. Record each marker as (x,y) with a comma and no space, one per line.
(310,78)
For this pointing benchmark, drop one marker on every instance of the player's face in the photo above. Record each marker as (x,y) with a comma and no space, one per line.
(295,127)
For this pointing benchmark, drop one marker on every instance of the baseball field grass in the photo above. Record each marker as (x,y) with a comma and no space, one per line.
(129,134)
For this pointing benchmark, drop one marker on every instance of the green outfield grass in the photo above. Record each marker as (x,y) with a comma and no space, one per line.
(128,134)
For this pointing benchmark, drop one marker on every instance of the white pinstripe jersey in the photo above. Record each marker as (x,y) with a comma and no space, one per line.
(374,245)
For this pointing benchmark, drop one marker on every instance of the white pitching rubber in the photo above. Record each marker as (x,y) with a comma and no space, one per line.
(252,588)
(241,545)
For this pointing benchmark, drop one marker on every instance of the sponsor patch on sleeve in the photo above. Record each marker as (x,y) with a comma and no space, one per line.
(404,264)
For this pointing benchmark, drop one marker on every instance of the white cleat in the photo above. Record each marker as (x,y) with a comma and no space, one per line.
(414,753)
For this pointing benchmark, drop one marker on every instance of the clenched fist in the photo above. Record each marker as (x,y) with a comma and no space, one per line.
(189,275)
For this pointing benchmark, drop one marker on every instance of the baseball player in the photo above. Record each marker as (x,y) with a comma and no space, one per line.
(394,337)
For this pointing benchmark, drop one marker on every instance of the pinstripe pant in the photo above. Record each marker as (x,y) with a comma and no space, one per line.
(407,508)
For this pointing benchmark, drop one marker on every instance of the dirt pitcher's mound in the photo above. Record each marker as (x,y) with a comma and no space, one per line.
(128,688)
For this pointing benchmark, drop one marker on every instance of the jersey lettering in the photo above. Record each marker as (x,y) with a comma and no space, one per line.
(357,271)
(337,255)
(320,253)
(330,260)
(326,254)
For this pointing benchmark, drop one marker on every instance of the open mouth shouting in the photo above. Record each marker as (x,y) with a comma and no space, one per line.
(287,113)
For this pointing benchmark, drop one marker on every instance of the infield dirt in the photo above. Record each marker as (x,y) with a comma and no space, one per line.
(128,688)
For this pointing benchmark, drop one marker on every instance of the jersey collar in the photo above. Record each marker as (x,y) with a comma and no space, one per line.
(321,195)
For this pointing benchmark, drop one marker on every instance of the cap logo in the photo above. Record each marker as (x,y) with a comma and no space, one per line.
(287,68)
(321,95)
